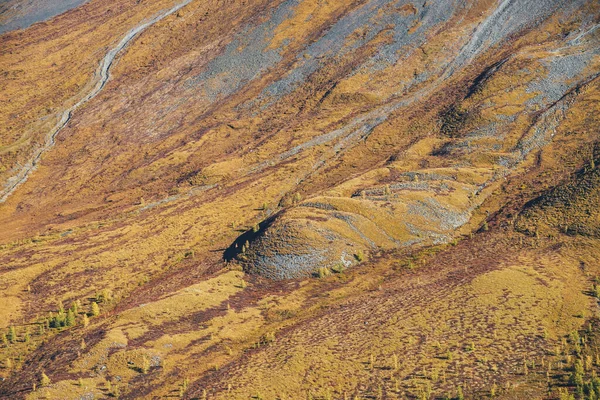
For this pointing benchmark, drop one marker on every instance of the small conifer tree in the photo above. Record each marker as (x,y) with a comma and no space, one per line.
(12,334)
(75,307)
(95,309)
(145,364)
(70,318)
(44,380)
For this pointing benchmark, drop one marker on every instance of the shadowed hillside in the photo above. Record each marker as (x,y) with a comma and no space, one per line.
(299,199)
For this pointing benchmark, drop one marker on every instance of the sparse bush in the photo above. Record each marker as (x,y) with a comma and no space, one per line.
(323,272)
(189,254)
(338,268)
(58,321)
(105,296)
(360,256)
(267,338)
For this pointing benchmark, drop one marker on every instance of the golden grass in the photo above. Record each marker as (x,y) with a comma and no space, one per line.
(107,210)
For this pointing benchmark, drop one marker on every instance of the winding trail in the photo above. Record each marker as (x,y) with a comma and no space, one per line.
(102,75)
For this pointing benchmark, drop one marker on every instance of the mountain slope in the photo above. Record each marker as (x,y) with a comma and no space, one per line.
(299,198)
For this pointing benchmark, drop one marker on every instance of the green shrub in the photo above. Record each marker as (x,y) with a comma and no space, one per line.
(338,268)
(104,296)
(58,321)
(323,272)
(360,256)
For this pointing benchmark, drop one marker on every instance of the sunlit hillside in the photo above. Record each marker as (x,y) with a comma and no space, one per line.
(300,199)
